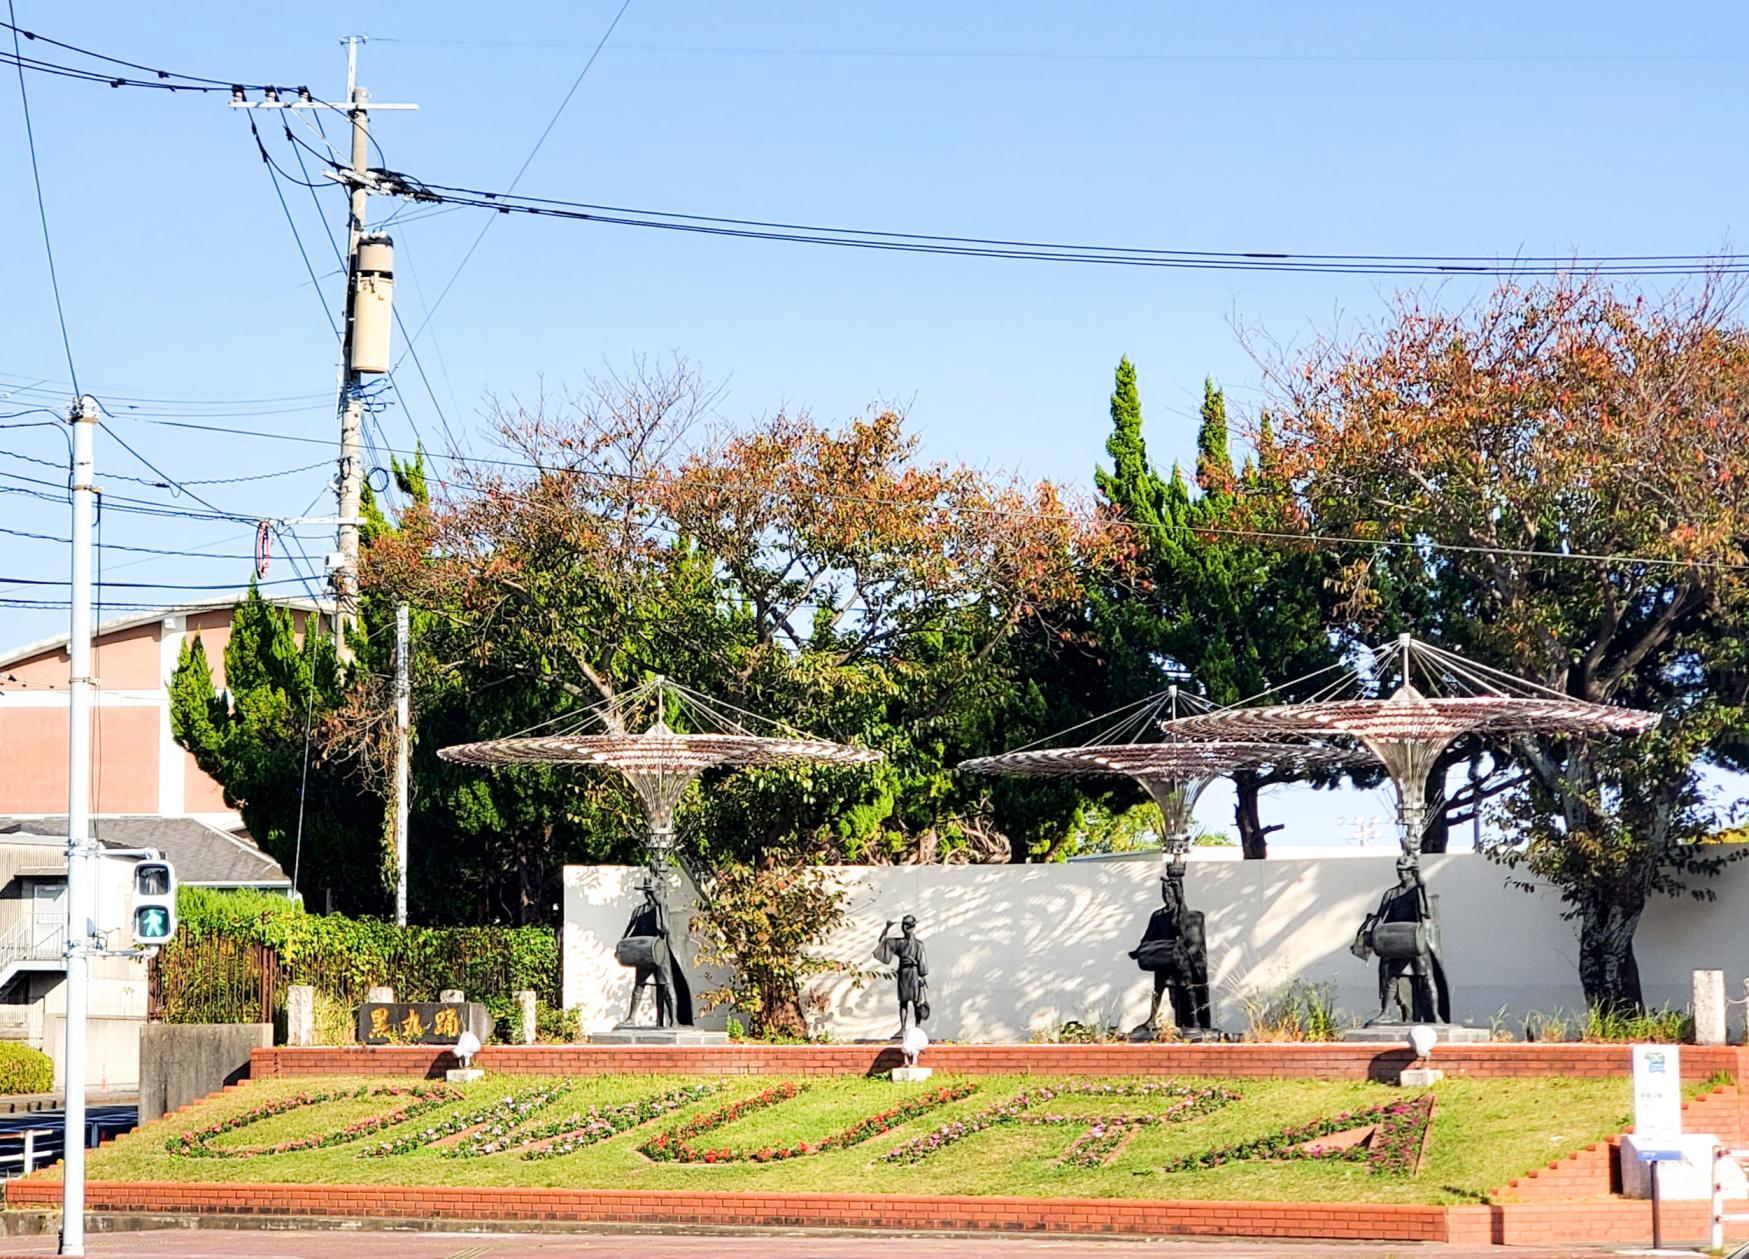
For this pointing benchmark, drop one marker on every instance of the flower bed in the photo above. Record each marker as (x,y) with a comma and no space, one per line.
(513,1109)
(424,1097)
(598,1123)
(862,1130)
(1087,1150)
(1395,1146)
(674,1145)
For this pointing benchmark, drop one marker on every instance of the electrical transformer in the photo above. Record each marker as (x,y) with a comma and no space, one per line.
(373,304)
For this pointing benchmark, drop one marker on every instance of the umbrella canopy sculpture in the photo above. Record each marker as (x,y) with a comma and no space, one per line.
(1175,771)
(1407,731)
(633,735)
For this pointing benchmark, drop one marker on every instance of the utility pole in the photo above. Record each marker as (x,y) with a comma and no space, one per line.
(365,339)
(352,387)
(80,896)
(403,688)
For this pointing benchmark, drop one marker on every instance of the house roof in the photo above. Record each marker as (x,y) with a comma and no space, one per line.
(203,854)
(12,655)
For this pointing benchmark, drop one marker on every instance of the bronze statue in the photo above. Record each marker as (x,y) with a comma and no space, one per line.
(1403,933)
(645,947)
(1175,948)
(904,953)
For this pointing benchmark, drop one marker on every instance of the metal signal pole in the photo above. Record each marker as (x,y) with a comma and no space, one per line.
(80,894)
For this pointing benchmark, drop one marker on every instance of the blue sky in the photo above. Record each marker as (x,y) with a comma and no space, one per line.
(1479,129)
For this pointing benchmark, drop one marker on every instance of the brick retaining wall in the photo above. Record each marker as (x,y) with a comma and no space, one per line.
(1272,1061)
(1618,1222)
(1356,1221)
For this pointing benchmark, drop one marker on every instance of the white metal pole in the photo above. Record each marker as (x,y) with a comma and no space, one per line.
(403,687)
(79,891)
(1718,1237)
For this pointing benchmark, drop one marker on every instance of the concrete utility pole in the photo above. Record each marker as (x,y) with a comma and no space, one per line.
(80,849)
(365,340)
(403,689)
(352,389)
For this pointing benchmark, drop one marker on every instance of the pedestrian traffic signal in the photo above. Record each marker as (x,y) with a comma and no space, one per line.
(154,902)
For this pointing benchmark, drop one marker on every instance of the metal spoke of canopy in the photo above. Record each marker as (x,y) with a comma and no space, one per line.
(1409,728)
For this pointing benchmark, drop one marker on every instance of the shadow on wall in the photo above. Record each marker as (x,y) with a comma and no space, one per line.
(1015,950)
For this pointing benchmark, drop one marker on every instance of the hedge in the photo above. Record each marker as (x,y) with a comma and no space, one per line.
(25,1070)
(342,957)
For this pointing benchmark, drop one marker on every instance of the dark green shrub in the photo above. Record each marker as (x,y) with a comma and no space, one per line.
(25,1070)
(342,957)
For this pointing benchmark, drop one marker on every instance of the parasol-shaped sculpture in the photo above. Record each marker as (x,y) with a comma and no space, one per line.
(1407,731)
(1174,771)
(634,735)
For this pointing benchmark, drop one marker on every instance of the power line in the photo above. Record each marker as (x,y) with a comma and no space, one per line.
(1276,261)
(41,209)
(1032,55)
(224,85)
(144,585)
(521,170)
(1025,514)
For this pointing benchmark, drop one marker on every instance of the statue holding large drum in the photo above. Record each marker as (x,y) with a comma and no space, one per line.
(1403,933)
(1174,949)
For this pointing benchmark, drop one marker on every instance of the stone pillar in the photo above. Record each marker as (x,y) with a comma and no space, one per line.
(300,1015)
(1709,1007)
(379,993)
(452,995)
(526,1004)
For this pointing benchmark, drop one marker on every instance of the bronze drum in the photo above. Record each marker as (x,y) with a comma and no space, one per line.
(641,952)
(1399,941)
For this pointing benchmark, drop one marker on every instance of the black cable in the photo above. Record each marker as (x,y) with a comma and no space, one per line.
(520,171)
(39,66)
(122,546)
(418,188)
(169,485)
(334,244)
(1723,264)
(224,84)
(143,585)
(41,209)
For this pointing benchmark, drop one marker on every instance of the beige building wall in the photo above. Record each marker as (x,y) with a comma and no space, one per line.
(137,765)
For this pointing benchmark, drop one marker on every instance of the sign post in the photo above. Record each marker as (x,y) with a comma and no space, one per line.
(1657,1116)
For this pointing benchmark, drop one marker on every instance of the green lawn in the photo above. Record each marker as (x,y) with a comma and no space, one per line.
(1484,1134)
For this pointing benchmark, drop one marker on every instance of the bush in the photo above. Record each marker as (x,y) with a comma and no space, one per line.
(1299,1012)
(25,1070)
(1664,1026)
(761,923)
(341,957)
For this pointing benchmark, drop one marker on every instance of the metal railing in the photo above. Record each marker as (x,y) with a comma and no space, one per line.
(27,1157)
(1720,1156)
(23,943)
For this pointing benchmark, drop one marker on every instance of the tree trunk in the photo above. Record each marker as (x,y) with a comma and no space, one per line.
(1253,834)
(1607,967)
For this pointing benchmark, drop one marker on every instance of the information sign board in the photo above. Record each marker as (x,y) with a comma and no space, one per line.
(1657,1091)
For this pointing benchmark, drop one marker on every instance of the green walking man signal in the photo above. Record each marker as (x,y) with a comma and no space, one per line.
(154,902)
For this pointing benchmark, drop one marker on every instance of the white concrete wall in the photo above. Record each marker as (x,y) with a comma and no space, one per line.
(1015,949)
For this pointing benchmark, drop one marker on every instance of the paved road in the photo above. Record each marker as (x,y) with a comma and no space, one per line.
(107,1121)
(247,1244)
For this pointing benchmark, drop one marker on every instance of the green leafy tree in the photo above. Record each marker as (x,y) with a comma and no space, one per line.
(1561,477)
(255,736)
(1237,613)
